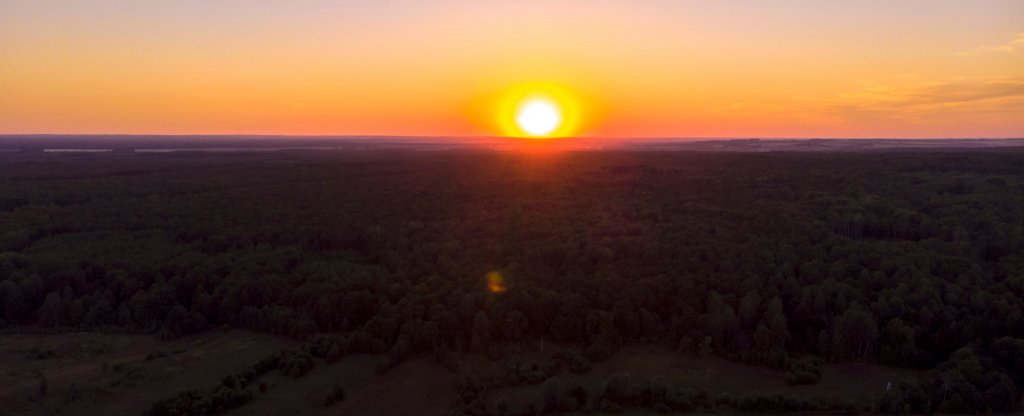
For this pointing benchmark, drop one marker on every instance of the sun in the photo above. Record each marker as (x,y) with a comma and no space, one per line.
(538,111)
(538,117)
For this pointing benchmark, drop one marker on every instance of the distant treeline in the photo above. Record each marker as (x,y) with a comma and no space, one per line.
(907,259)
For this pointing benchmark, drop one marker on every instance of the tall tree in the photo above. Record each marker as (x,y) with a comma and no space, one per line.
(855,334)
(481,335)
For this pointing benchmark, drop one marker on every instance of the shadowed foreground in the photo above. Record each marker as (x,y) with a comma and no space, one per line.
(629,281)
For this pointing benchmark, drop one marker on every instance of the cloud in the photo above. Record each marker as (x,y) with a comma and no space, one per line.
(1014,45)
(1002,95)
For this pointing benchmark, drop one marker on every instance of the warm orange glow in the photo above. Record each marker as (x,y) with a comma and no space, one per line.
(612,69)
(539,111)
(495,282)
(538,117)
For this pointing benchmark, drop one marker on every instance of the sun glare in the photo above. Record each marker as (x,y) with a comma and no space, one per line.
(539,111)
(538,117)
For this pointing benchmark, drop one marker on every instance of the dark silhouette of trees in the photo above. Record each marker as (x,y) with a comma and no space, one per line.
(52,312)
(481,335)
(855,334)
(897,344)
(903,258)
(13,301)
(554,395)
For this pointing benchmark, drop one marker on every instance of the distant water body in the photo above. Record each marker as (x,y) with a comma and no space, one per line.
(234,149)
(225,149)
(77,150)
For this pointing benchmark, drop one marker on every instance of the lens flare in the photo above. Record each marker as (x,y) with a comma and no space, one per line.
(495,282)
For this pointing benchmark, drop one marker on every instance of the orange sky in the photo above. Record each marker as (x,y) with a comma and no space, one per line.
(654,68)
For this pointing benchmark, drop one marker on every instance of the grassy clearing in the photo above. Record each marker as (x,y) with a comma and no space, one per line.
(857,382)
(109,374)
(120,374)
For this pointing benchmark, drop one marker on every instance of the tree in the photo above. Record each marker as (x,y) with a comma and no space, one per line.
(333,353)
(617,389)
(181,321)
(855,334)
(723,325)
(750,305)
(660,390)
(627,321)
(763,338)
(52,312)
(401,350)
(554,395)
(101,313)
(515,326)
(579,396)
(776,321)
(1009,353)
(481,332)
(567,328)
(44,385)
(12,301)
(706,348)
(897,343)
(336,394)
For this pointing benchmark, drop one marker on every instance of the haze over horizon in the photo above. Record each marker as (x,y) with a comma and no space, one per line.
(655,68)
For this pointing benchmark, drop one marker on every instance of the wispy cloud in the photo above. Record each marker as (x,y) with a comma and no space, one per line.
(1013,46)
(1003,95)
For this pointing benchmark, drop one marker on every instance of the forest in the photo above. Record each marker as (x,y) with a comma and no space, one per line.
(788,260)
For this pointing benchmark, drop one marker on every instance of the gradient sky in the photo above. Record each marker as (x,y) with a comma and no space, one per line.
(783,68)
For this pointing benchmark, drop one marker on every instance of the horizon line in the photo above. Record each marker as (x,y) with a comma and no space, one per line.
(391,136)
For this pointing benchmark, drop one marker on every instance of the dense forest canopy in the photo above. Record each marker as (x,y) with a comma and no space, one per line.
(911,259)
